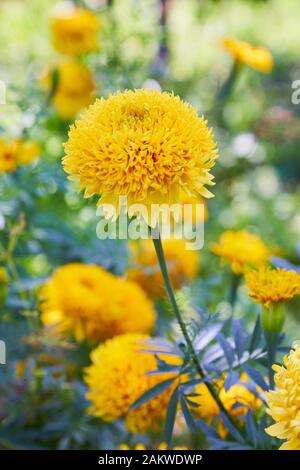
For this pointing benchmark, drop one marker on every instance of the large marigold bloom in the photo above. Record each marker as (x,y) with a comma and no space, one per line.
(241,249)
(89,302)
(269,286)
(74,31)
(141,144)
(117,378)
(284,402)
(259,58)
(182,265)
(238,394)
(74,90)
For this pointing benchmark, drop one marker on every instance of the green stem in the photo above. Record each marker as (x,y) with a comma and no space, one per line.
(164,270)
(271,340)
(235,282)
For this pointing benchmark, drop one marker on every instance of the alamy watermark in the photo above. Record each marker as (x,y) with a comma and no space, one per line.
(296,93)
(2,92)
(2,352)
(140,221)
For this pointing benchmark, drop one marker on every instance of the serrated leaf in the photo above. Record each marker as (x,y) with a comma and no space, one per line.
(187,414)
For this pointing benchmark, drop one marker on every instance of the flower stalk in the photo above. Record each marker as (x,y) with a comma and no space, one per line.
(164,270)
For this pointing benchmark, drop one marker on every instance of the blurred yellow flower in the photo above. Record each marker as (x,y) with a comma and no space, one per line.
(241,249)
(269,286)
(91,303)
(117,378)
(74,31)
(8,156)
(182,265)
(158,146)
(284,402)
(161,446)
(238,394)
(259,58)
(3,276)
(27,152)
(74,90)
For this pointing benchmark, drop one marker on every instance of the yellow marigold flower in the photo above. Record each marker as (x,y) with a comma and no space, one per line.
(269,286)
(74,90)
(27,152)
(91,303)
(284,402)
(182,265)
(8,156)
(184,198)
(117,378)
(237,394)
(141,144)
(259,58)
(74,31)
(241,249)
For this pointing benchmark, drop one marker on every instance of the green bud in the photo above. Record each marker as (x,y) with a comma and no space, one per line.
(272,319)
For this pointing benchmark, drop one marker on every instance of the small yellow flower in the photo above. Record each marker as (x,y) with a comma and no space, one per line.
(3,276)
(241,249)
(269,286)
(161,446)
(8,156)
(117,378)
(74,90)
(259,58)
(27,152)
(89,302)
(284,402)
(182,265)
(141,144)
(75,31)
(237,394)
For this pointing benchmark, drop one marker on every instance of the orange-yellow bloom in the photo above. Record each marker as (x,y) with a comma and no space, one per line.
(74,31)
(284,402)
(269,286)
(141,144)
(118,377)
(91,303)
(241,249)
(182,265)
(259,58)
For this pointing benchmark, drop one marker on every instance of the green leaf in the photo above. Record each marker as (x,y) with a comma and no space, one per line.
(171,415)
(153,392)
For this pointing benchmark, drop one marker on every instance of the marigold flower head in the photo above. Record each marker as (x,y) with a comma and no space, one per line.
(259,58)
(117,378)
(74,90)
(269,286)
(74,31)
(91,303)
(238,394)
(241,249)
(182,265)
(8,156)
(284,402)
(141,144)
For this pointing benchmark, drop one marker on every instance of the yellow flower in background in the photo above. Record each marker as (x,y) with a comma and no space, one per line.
(117,378)
(74,31)
(91,303)
(158,146)
(3,276)
(27,152)
(161,446)
(237,394)
(182,265)
(241,249)
(284,402)
(74,90)
(269,286)
(259,58)
(8,156)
